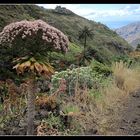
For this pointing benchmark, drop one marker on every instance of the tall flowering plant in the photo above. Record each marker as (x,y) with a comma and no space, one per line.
(30,40)
(39,30)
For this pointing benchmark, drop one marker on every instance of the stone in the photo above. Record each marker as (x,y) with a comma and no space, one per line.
(63,10)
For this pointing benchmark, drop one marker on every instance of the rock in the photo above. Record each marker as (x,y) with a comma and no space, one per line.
(63,10)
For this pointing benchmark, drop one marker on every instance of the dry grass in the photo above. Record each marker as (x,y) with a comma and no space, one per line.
(103,113)
(125,81)
(90,113)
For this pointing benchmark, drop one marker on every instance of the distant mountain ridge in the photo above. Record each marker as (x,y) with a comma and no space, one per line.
(130,33)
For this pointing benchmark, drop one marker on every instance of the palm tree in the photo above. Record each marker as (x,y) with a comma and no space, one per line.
(84,34)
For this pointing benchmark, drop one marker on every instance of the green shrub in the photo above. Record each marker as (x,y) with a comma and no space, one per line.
(125,58)
(3,90)
(100,68)
(83,76)
(61,61)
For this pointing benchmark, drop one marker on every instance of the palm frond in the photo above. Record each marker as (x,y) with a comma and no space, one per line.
(86,32)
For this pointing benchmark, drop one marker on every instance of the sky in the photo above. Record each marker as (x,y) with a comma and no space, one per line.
(112,15)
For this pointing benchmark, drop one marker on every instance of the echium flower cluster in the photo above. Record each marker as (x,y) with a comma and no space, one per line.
(27,29)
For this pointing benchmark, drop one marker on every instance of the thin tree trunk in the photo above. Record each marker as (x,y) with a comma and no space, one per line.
(31,109)
(85,42)
(85,45)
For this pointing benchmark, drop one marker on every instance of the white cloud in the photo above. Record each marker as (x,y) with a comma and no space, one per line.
(118,13)
(108,13)
(96,14)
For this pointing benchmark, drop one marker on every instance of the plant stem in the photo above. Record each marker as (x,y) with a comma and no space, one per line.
(31,109)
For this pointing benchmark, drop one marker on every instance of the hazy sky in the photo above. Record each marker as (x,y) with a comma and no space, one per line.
(113,15)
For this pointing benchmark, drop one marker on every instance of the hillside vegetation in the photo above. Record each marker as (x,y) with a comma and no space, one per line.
(68,77)
(106,41)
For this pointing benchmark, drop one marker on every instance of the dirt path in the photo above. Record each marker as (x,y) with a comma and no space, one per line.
(129,123)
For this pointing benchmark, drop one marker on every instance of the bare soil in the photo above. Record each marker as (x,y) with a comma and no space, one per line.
(129,122)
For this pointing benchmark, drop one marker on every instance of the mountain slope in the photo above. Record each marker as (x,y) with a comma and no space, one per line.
(105,40)
(131,33)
